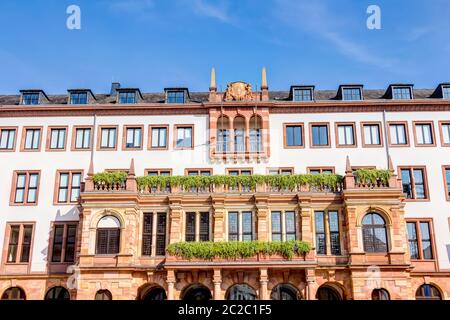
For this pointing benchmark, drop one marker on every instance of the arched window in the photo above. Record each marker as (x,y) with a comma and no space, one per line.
(223,134)
(284,292)
(374,233)
(103,295)
(327,293)
(256,134)
(108,235)
(428,292)
(380,294)
(239,134)
(155,293)
(57,293)
(197,292)
(14,293)
(241,292)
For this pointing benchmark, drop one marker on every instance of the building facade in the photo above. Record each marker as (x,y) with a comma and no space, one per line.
(96,187)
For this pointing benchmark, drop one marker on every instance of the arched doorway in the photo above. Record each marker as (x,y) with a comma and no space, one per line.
(241,292)
(57,293)
(154,293)
(103,295)
(327,292)
(380,294)
(285,291)
(428,292)
(197,292)
(14,293)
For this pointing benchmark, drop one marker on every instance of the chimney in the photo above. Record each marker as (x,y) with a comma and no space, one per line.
(114,87)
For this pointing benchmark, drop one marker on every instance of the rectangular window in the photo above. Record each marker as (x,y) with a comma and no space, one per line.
(159,172)
(420,239)
(240,226)
(321,247)
(446,92)
(414,183)
(199,172)
(133,137)
(57,139)
(7,139)
(108,138)
(30,98)
(147,234)
(240,172)
(161,234)
(184,137)
(447,181)
(302,95)
(401,93)
(79,98)
(158,137)
(321,170)
(69,186)
(19,243)
(197,226)
(82,139)
(351,94)
(445,133)
(26,187)
(346,135)
(293,135)
(276,226)
(64,236)
(32,139)
(175,97)
(372,134)
(424,134)
(319,135)
(127,97)
(283,231)
(327,230)
(398,134)
(282,171)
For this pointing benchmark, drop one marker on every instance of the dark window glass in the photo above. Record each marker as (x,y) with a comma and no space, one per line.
(247,226)
(161,234)
(204,226)
(428,292)
(380,294)
(412,240)
(276,226)
(326,293)
(70,243)
(333,221)
(103,295)
(320,232)
(233,226)
(127,97)
(241,292)
(374,233)
(406,182)
(57,293)
(352,93)
(13,243)
(108,241)
(14,293)
(79,98)
(302,94)
(401,93)
(320,135)
(175,97)
(147,234)
(26,243)
(30,98)
(419,184)
(58,239)
(190,226)
(294,136)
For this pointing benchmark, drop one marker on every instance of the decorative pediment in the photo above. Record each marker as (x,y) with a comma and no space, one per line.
(238,91)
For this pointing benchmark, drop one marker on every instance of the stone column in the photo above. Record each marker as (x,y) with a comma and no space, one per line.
(170,284)
(217,280)
(175,224)
(311,286)
(262,213)
(263,281)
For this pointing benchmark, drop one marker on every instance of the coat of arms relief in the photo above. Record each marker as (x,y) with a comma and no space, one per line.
(238,91)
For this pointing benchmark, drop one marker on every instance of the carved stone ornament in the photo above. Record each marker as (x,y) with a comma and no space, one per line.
(238,91)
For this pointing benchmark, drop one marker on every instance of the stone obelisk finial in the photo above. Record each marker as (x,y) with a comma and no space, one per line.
(212,86)
(264,86)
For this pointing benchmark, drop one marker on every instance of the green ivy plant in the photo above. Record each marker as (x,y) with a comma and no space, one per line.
(116,177)
(372,176)
(238,250)
(291,182)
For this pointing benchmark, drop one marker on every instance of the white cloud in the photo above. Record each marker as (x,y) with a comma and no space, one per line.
(315,18)
(217,11)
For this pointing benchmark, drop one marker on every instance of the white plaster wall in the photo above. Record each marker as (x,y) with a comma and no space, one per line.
(48,162)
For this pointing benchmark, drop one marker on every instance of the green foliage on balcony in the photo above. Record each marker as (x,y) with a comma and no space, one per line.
(236,250)
(117,177)
(372,176)
(291,182)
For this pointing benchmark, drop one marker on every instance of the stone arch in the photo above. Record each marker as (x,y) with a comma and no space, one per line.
(103,213)
(382,212)
(288,288)
(152,291)
(334,286)
(196,291)
(51,289)
(435,286)
(245,287)
(230,278)
(21,292)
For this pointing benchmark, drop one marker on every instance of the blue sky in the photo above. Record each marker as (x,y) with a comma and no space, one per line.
(152,44)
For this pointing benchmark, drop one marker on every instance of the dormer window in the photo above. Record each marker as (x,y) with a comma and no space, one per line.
(304,94)
(446,92)
(79,97)
(30,98)
(126,97)
(401,93)
(175,96)
(351,94)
